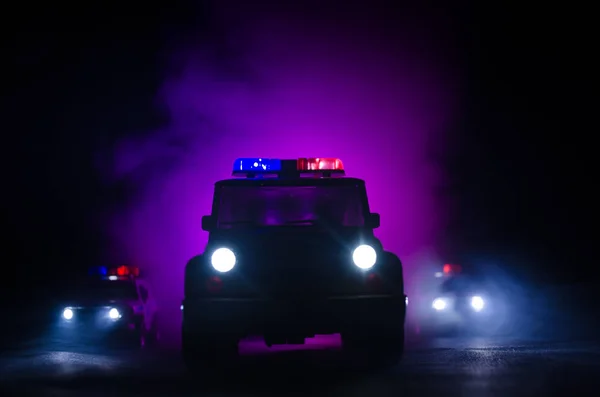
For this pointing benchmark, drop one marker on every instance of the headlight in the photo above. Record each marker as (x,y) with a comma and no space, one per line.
(439,304)
(364,256)
(67,314)
(114,314)
(477,303)
(223,260)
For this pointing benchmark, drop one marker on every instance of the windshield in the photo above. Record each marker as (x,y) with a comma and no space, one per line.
(105,290)
(290,206)
(462,284)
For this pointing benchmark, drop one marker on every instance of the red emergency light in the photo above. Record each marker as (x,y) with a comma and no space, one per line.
(124,271)
(452,269)
(329,164)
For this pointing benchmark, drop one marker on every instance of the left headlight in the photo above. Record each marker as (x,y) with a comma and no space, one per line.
(223,260)
(364,256)
(68,313)
(439,304)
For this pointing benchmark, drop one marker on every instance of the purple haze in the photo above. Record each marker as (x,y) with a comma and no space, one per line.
(293,89)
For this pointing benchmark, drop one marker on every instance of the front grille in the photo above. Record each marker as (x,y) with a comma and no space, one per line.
(300,273)
(290,264)
(95,316)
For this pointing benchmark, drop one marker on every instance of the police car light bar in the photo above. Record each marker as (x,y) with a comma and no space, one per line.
(252,167)
(119,271)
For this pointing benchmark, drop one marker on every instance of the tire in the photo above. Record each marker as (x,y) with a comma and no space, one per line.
(377,347)
(204,353)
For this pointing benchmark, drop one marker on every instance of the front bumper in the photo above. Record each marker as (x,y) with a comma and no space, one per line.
(114,327)
(241,317)
(450,319)
(96,322)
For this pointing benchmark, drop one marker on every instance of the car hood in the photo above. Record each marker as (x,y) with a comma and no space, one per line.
(91,302)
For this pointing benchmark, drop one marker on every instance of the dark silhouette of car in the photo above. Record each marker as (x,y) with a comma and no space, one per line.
(112,302)
(291,253)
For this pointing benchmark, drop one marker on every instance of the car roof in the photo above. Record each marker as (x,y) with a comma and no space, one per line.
(343,181)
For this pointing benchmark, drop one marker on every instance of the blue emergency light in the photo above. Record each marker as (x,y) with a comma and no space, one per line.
(98,271)
(258,167)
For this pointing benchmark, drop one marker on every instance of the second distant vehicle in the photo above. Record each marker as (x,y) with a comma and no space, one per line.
(460,302)
(111,302)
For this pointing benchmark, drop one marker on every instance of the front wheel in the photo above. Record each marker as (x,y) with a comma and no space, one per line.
(378,347)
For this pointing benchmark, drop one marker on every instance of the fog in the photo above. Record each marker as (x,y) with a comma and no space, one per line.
(282,83)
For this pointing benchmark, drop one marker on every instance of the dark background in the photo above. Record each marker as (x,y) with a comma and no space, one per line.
(78,78)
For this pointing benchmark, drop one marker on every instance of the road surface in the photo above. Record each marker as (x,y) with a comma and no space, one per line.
(438,367)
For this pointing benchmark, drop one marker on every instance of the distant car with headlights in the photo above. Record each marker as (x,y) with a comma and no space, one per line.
(462,302)
(110,302)
(291,253)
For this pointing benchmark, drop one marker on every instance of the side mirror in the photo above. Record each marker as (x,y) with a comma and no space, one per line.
(373,220)
(208,223)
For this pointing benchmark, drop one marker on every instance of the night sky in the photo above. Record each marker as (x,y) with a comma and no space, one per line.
(106,108)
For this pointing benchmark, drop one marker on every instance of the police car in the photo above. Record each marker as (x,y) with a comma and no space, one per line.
(461,302)
(291,253)
(111,302)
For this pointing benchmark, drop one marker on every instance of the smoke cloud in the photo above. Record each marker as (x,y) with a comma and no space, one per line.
(280,83)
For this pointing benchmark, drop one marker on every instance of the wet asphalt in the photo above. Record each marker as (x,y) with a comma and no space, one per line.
(453,366)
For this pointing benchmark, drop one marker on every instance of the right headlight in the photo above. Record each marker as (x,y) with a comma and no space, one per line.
(114,314)
(223,260)
(477,303)
(364,256)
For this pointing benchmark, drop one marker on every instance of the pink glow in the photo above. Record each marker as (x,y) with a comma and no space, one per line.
(299,90)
